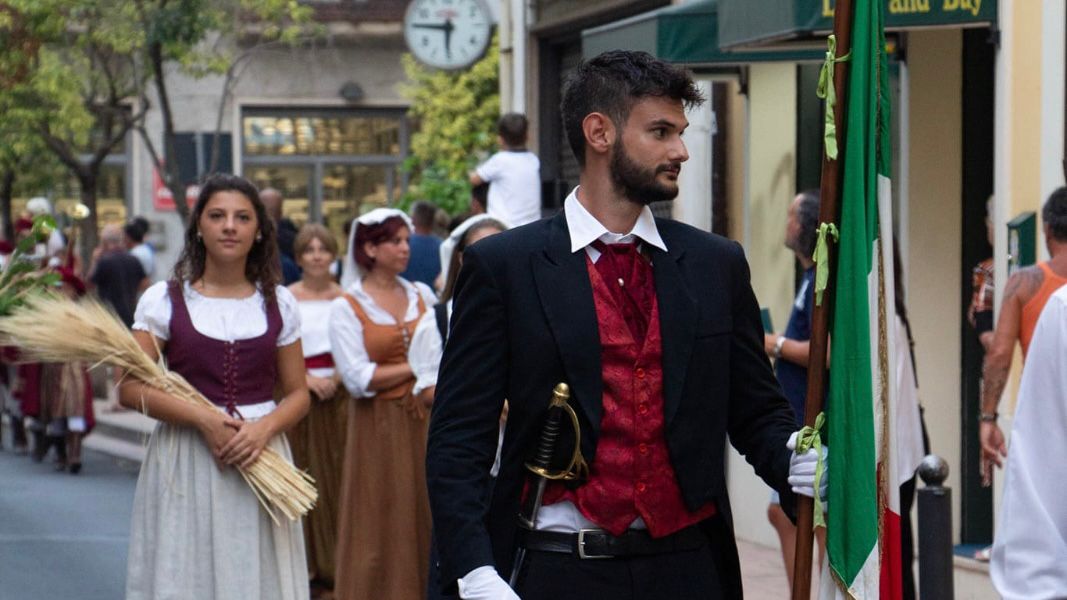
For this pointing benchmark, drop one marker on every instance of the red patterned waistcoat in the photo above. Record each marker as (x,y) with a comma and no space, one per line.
(631,475)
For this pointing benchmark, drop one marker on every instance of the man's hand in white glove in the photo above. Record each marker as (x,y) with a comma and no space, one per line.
(802,470)
(484,583)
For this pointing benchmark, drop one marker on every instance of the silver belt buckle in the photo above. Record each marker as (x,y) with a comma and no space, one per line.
(582,554)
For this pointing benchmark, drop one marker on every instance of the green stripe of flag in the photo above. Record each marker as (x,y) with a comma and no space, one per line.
(852,532)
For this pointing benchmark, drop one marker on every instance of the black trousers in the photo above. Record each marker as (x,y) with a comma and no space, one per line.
(690,575)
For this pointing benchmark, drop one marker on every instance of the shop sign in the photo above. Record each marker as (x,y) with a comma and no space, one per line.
(922,13)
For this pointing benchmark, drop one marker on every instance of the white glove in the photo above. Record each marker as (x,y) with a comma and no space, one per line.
(484,583)
(802,470)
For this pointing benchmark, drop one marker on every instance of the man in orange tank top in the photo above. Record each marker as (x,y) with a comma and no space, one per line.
(1025,296)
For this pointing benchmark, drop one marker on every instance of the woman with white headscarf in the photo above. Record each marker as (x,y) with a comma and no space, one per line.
(427,345)
(384,514)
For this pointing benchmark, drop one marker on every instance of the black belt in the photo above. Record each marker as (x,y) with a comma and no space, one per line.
(597,543)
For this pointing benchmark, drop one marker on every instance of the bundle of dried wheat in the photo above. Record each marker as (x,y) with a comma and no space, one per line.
(54,329)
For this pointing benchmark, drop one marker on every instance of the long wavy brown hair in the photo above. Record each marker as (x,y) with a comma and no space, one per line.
(263,267)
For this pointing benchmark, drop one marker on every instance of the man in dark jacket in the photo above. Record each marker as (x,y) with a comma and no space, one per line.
(654,326)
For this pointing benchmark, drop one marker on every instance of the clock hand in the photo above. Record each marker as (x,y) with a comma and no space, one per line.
(448,37)
(441,26)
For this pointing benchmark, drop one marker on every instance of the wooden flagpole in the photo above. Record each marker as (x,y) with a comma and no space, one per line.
(829,211)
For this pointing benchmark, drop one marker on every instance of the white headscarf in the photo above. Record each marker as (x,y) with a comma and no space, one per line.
(352,271)
(38,206)
(454,238)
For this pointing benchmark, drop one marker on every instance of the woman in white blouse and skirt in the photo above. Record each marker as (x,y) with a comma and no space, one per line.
(318,440)
(427,345)
(225,325)
(383,538)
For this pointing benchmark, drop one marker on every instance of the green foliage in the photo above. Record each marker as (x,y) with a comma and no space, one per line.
(27,75)
(456,114)
(79,75)
(21,276)
(200,35)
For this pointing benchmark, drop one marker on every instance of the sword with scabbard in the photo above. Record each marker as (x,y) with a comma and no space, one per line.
(541,465)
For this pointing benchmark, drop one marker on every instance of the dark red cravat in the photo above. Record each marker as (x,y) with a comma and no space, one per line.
(629,276)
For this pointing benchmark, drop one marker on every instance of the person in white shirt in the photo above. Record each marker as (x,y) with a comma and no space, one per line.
(318,441)
(427,345)
(513,175)
(429,340)
(1029,558)
(135,232)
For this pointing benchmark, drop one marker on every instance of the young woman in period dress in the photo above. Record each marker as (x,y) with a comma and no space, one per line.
(318,441)
(383,538)
(225,325)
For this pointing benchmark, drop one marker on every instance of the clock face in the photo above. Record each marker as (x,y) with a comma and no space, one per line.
(447,34)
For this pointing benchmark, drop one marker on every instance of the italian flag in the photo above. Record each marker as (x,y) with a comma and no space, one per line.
(863,520)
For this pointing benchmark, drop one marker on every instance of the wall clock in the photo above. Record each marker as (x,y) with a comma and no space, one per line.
(448,34)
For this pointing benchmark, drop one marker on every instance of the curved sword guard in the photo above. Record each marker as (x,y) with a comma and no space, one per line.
(577,468)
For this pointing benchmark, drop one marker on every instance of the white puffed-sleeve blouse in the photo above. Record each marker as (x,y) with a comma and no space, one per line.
(346,332)
(224,319)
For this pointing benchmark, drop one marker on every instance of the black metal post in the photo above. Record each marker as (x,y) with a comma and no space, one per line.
(935,531)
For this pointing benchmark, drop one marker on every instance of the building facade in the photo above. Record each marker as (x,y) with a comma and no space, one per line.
(323,121)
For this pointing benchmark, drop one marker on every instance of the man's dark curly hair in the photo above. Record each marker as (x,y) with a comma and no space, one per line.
(612,82)
(263,267)
(1054,214)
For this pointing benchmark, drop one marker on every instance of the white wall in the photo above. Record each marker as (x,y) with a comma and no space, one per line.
(935,244)
(693,205)
(770,182)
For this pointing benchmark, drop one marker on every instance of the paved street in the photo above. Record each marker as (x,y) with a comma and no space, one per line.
(64,536)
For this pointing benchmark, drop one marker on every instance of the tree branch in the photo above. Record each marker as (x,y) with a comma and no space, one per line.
(63,151)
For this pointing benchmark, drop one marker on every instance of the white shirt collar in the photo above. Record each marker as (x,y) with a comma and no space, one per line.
(584,228)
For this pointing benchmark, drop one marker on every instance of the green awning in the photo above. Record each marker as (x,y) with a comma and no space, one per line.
(747,23)
(686,33)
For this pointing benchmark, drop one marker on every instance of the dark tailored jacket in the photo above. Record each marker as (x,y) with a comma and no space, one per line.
(524,321)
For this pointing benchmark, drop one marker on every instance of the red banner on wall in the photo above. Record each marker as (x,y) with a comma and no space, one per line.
(163,199)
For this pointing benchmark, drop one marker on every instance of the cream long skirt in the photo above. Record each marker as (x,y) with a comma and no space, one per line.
(199,533)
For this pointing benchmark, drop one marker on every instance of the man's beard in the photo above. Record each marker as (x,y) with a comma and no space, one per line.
(639,184)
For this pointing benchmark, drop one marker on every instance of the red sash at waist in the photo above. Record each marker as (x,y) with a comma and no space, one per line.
(319,361)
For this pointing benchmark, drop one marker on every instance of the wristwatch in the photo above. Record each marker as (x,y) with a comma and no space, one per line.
(988,417)
(778,343)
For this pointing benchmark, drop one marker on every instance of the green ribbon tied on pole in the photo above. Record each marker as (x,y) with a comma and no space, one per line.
(822,259)
(810,438)
(827,92)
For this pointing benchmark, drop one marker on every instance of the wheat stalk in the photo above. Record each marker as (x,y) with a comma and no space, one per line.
(55,329)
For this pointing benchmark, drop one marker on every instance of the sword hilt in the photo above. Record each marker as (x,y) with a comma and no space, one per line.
(541,464)
(546,446)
